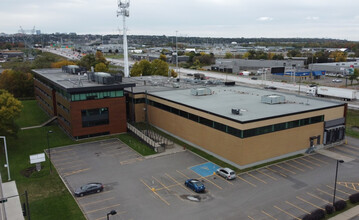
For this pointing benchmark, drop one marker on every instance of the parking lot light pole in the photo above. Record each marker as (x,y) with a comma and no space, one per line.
(336,176)
(113,212)
(48,148)
(6,157)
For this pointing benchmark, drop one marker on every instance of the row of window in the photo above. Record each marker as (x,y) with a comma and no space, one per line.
(234,131)
(43,92)
(95,117)
(64,119)
(44,102)
(96,95)
(62,107)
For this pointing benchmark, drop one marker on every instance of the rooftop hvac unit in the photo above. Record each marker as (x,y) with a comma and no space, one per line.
(236,111)
(201,91)
(273,99)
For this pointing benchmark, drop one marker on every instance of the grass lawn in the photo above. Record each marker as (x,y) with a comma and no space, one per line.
(114,56)
(48,196)
(352,120)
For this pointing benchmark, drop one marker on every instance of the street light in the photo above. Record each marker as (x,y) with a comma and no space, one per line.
(336,176)
(113,212)
(48,149)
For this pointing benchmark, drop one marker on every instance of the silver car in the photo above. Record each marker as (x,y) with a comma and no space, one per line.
(226,173)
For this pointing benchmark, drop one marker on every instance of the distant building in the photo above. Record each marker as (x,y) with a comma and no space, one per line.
(38,32)
(337,67)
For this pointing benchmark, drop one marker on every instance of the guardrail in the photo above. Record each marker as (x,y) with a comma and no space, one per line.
(156,147)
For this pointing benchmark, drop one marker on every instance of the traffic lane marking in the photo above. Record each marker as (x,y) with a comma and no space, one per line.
(303,200)
(297,207)
(273,178)
(349,185)
(300,163)
(96,210)
(292,172)
(319,160)
(252,184)
(317,197)
(98,201)
(174,180)
(256,178)
(268,215)
(311,162)
(286,212)
(201,177)
(339,190)
(330,194)
(274,171)
(163,200)
(295,167)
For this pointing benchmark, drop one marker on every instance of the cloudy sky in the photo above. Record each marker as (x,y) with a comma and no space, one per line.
(204,18)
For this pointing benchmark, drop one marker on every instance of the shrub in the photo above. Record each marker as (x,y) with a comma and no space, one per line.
(329,209)
(354,198)
(340,205)
(318,214)
(307,217)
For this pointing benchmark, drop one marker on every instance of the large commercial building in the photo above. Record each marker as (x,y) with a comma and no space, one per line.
(85,105)
(337,67)
(242,126)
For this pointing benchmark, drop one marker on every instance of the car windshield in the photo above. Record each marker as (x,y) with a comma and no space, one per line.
(197,183)
(232,173)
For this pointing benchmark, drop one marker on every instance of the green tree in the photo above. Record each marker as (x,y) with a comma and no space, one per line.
(228,55)
(338,56)
(17,83)
(101,67)
(163,57)
(354,76)
(142,68)
(10,109)
(174,74)
(294,53)
(277,57)
(159,67)
(100,58)
(88,61)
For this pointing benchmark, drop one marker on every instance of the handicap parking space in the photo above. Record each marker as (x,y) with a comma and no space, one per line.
(206,169)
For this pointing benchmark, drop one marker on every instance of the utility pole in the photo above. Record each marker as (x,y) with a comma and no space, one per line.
(124,11)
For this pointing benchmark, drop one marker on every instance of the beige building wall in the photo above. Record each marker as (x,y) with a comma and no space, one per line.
(242,151)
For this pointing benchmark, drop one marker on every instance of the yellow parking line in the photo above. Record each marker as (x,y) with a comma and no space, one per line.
(295,167)
(268,215)
(339,190)
(318,160)
(286,212)
(98,201)
(155,192)
(303,164)
(352,147)
(118,213)
(96,210)
(73,161)
(329,194)
(318,207)
(74,172)
(292,172)
(354,187)
(69,167)
(246,181)
(273,178)
(63,159)
(104,192)
(295,206)
(310,162)
(202,177)
(174,180)
(182,174)
(257,178)
(227,181)
(317,197)
(274,171)
(250,218)
(160,182)
(349,151)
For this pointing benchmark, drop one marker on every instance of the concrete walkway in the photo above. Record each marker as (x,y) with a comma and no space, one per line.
(351,214)
(177,148)
(13,208)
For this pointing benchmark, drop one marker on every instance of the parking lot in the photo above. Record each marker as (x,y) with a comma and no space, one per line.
(153,188)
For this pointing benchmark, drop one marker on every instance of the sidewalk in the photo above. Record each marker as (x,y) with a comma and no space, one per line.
(177,148)
(12,206)
(351,214)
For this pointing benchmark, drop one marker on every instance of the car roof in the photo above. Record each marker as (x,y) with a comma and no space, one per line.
(228,169)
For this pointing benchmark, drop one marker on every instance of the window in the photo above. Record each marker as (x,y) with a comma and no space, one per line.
(95,117)
(183,114)
(220,126)
(96,95)
(206,121)
(193,117)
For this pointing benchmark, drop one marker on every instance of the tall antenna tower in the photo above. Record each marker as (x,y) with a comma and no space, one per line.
(123,10)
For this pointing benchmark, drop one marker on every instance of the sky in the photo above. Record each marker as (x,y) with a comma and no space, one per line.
(201,18)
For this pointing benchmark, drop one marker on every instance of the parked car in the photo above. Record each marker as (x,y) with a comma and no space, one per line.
(337,80)
(254,78)
(313,85)
(89,189)
(226,173)
(195,185)
(271,87)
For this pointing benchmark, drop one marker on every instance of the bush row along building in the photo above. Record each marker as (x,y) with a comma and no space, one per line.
(242,126)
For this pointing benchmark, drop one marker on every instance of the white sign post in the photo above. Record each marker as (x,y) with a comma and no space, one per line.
(37,159)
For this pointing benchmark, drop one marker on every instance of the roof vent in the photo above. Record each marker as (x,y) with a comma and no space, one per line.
(273,99)
(201,91)
(236,111)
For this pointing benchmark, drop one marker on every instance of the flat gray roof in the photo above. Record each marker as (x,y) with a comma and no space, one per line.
(73,82)
(224,98)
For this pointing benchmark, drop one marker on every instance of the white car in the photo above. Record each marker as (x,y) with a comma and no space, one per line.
(226,173)
(337,80)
